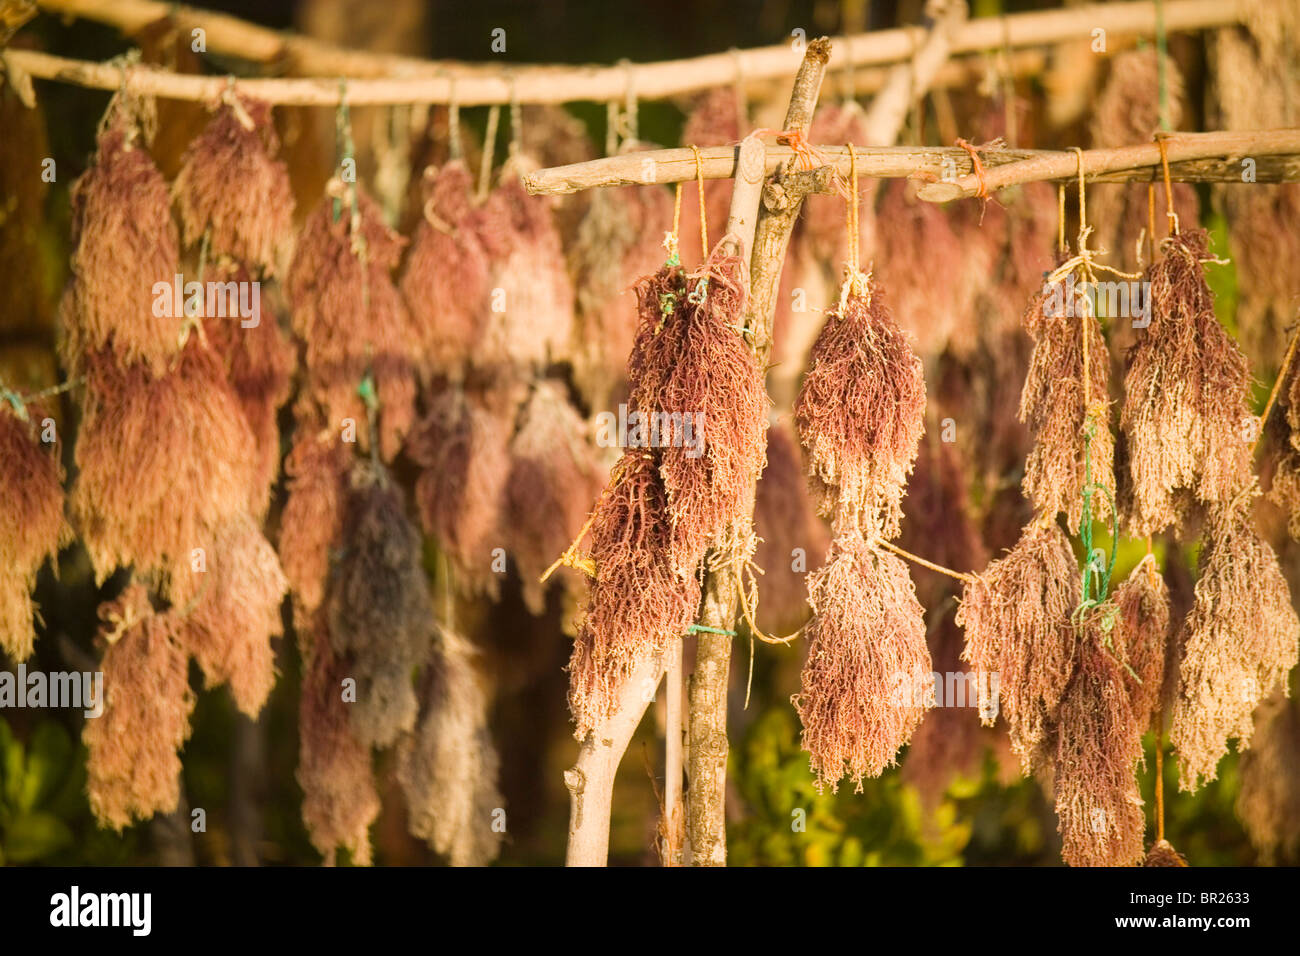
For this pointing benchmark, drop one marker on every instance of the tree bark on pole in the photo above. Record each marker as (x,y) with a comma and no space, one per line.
(706,807)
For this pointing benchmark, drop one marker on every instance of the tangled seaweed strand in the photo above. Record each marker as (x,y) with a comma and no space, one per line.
(1053,405)
(448,768)
(1017,616)
(691,369)
(638,602)
(379,610)
(1268,802)
(1186,414)
(861,692)
(1240,640)
(1098,746)
(861,413)
(231,187)
(133,765)
(32,526)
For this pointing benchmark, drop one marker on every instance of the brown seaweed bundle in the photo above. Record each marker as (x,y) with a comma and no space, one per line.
(353,321)
(1054,406)
(190,451)
(925,240)
(1017,616)
(1141,635)
(448,768)
(555,475)
(32,526)
(445,279)
(1268,803)
(791,536)
(638,602)
(1098,746)
(462,445)
(259,363)
(1241,639)
(1186,415)
(378,606)
(231,187)
(861,413)
(1162,853)
(237,612)
(529,321)
(312,521)
(339,799)
(124,242)
(862,688)
(698,390)
(133,766)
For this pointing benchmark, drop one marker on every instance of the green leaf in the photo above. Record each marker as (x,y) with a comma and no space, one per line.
(33,836)
(49,751)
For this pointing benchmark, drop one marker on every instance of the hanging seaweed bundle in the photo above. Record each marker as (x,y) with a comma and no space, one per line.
(698,389)
(378,606)
(124,242)
(529,322)
(353,320)
(619,240)
(462,443)
(133,765)
(1098,746)
(311,523)
(791,536)
(445,279)
(861,412)
(638,603)
(555,474)
(192,467)
(32,526)
(448,767)
(1186,416)
(1241,639)
(1284,440)
(1017,616)
(924,238)
(1141,634)
(1268,803)
(1073,451)
(339,799)
(1162,853)
(233,190)
(236,613)
(860,693)
(259,361)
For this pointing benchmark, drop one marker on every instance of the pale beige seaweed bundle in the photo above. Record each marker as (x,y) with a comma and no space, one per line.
(133,764)
(1017,616)
(448,767)
(1240,640)
(1268,803)
(1141,636)
(861,693)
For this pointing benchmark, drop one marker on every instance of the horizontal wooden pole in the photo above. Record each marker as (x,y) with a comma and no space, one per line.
(411,80)
(1195,157)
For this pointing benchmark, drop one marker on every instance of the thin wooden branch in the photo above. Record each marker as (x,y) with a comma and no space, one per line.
(1234,147)
(674,822)
(1211,157)
(590,781)
(487,84)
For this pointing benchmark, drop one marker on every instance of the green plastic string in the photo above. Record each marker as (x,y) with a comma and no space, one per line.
(1095,580)
(710,630)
